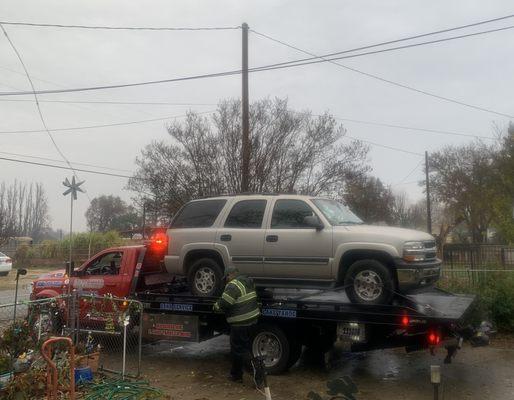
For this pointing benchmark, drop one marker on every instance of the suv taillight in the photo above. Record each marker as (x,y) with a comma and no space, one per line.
(8,261)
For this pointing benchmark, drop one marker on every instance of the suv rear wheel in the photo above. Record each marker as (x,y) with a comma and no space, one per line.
(369,282)
(205,278)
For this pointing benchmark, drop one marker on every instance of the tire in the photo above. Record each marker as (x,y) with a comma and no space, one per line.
(273,341)
(205,278)
(369,282)
(4,273)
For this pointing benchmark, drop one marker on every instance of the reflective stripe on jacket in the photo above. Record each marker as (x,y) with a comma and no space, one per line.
(239,302)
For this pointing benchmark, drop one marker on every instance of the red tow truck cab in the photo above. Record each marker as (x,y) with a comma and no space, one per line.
(113,271)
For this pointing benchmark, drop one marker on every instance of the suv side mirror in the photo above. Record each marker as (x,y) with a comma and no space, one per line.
(313,222)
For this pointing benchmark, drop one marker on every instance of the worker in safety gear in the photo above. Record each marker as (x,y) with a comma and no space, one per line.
(239,303)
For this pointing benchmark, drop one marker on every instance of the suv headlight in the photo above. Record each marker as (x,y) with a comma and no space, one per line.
(413,251)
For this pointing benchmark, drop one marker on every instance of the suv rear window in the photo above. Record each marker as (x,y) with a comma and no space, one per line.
(198,214)
(246,214)
(289,214)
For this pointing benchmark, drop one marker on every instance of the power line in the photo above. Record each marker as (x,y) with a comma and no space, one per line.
(76,128)
(409,174)
(149,103)
(120,28)
(37,102)
(383,145)
(269,67)
(408,38)
(53,159)
(143,121)
(290,64)
(357,121)
(67,168)
(404,86)
(442,132)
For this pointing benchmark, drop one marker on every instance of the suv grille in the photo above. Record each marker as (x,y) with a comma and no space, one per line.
(429,244)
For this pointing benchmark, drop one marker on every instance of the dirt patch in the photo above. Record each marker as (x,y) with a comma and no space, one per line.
(198,372)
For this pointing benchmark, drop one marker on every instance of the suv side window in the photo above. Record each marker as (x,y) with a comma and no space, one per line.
(289,214)
(246,214)
(198,214)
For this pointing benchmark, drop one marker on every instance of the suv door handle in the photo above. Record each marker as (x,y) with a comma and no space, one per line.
(226,238)
(272,238)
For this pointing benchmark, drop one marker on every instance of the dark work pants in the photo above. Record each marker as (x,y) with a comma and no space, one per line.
(240,348)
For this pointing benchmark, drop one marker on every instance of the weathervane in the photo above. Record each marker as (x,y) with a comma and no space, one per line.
(73,188)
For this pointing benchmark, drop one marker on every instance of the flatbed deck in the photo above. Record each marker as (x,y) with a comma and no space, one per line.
(433,307)
(292,318)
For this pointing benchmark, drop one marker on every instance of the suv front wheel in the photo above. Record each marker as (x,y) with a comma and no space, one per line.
(205,278)
(369,282)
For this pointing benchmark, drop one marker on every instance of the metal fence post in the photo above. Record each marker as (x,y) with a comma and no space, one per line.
(140,344)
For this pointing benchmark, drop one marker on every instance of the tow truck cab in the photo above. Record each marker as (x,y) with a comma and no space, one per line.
(117,271)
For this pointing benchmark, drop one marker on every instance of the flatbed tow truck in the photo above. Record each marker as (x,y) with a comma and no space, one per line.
(290,318)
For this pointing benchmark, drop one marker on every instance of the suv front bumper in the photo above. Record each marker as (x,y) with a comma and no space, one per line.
(417,275)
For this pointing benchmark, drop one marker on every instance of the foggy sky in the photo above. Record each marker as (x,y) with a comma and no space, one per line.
(476,70)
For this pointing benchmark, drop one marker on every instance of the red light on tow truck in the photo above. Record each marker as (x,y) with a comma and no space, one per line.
(405,321)
(433,338)
(159,241)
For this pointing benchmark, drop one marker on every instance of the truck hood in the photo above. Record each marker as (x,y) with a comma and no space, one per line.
(386,232)
(379,234)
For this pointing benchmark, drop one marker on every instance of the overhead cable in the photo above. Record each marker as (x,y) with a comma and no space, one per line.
(121,28)
(65,167)
(56,146)
(54,160)
(76,128)
(288,64)
(404,86)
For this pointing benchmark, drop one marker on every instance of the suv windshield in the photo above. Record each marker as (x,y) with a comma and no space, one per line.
(336,213)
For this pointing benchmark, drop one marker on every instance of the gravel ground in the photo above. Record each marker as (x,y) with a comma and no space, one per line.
(198,372)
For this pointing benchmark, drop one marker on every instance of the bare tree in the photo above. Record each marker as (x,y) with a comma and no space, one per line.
(400,209)
(290,152)
(23,210)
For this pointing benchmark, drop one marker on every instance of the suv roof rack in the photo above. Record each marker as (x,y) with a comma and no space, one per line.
(246,194)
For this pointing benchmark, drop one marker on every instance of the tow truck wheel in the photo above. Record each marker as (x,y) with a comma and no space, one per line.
(272,343)
(205,278)
(369,282)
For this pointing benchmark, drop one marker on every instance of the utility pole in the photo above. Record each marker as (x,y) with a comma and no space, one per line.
(427,180)
(245,151)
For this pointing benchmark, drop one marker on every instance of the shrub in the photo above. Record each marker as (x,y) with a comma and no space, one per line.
(495,298)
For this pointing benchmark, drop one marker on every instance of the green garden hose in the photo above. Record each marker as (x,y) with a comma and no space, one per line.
(122,390)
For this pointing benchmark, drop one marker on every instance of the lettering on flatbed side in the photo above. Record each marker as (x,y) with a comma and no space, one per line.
(176,307)
(273,312)
(171,327)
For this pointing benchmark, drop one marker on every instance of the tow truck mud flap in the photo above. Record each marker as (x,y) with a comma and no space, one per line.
(181,328)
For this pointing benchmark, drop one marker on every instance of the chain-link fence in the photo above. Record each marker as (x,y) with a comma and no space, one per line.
(110,328)
(105,331)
